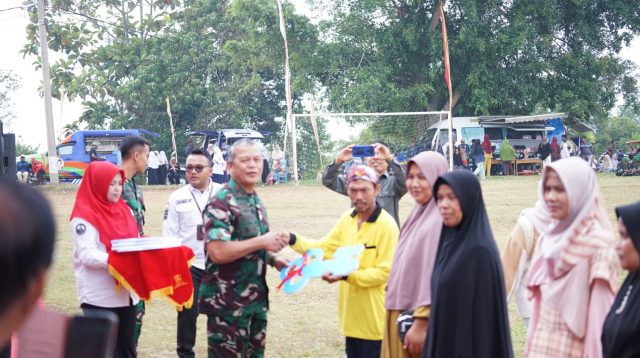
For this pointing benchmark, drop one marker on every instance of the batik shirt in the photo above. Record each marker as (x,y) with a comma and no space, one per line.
(132,195)
(229,289)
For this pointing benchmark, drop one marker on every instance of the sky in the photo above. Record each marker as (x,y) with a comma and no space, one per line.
(29,124)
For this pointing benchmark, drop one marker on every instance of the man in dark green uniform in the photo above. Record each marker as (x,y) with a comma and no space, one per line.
(233,291)
(135,152)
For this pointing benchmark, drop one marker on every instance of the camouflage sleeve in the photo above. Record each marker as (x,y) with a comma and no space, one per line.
(217,218)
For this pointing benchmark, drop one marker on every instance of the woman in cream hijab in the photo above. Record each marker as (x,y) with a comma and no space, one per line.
(409,285)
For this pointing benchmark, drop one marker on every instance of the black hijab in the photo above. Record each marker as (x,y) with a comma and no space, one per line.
(621,332)
(468,308)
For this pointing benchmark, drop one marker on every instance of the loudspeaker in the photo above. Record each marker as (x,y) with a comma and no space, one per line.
(9,154)
(2,165)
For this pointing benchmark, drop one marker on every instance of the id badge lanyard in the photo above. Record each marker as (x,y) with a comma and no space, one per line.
(200,232)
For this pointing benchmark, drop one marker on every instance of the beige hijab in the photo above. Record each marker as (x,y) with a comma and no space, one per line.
(409,284)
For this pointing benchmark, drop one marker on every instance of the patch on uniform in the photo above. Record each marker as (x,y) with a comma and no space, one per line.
(81,229)
(166,212)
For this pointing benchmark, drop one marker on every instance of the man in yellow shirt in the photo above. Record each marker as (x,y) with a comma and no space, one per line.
(361,294)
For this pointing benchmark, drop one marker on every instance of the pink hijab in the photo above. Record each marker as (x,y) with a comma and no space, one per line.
(409,284)
(561,260)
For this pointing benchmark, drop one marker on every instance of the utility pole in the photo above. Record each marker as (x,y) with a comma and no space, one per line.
(46,83)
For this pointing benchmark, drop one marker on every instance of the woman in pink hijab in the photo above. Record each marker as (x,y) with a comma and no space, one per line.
(574,272)
(409,284)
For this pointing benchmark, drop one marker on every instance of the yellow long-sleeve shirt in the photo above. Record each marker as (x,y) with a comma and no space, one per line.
(361,297)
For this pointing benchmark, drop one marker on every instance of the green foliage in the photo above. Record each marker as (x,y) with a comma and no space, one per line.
(621,128)
(219,62)
(506,57)
(25,149)
(9,83)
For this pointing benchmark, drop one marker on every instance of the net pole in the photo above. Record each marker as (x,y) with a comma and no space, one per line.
(314,125)
(294,147)
(451,144)
(287,79)
(436,136)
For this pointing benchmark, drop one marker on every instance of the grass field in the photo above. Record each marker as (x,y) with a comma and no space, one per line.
(305,324)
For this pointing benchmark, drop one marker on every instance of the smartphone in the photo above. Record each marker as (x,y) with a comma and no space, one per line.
(92,335)
(363,151)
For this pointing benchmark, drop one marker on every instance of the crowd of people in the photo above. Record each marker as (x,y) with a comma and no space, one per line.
(482,154)
(435,286)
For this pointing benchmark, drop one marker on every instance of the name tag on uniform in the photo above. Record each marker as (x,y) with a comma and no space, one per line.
(183,201)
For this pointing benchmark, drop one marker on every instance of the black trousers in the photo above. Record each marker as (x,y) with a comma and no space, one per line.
(152,176)
(162,175)
(265,170)
(125,344)
(174,177)
(362,348)
(187,319)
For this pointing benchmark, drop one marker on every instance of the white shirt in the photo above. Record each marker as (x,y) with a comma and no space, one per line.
(153,162)
(445,150)
(567,149)
(218,161)
(94,283)
(182,216)
(162,158)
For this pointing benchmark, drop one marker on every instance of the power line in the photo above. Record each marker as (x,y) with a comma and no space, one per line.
(12,8)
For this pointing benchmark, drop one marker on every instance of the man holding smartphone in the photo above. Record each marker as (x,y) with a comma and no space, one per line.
(392,178)
(183,219)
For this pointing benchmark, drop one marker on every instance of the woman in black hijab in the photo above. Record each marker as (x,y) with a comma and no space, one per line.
(468,308)
(621,332)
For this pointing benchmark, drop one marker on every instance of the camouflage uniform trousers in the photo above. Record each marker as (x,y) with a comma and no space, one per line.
(139,314)
(237,336)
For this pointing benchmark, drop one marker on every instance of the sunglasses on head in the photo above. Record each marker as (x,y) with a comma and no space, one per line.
(198,168)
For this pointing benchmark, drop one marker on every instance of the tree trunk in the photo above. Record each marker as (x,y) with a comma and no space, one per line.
(141,3)
(125,21)
(456,98)
(434,101)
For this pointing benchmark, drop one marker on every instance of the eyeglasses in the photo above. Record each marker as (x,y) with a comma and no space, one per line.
(198,168)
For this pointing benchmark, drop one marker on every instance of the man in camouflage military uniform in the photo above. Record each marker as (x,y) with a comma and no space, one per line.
(233,291)
(135,152)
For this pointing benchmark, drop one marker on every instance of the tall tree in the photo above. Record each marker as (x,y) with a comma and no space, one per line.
(623,127)
(507,57)
(219,62)
(9,83)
